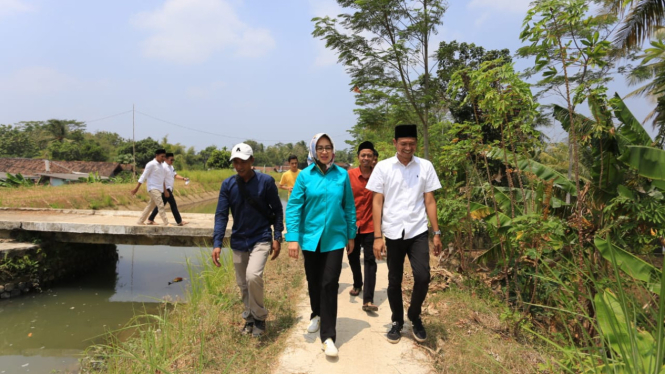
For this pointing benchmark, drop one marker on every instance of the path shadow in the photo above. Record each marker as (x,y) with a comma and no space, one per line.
(342,287)
(347,328)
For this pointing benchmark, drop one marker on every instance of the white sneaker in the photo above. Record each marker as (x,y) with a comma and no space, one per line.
(314,325)
(329,348)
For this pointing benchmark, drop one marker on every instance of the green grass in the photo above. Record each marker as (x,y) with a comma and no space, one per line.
(202,335)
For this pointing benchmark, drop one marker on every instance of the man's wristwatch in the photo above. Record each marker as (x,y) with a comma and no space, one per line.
(437,232)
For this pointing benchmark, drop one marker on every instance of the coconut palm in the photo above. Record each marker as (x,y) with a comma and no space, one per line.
(642,19)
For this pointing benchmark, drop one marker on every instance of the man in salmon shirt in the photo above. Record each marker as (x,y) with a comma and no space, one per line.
(365,236)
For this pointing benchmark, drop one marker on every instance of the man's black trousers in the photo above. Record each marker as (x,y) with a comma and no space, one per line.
(366,242)
(417,248)
(172,204)
(322,270)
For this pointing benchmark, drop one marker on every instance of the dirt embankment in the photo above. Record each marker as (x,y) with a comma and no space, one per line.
(98,196)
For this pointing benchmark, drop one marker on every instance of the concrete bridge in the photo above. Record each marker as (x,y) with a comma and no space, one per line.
(106,227)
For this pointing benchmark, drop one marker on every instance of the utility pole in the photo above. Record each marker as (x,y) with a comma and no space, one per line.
(133,143)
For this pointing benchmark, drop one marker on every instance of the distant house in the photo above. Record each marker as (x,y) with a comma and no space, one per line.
(58,172)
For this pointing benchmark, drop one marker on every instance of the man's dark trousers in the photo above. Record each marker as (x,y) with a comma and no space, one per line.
(417,248)
(172,204)
(366,242)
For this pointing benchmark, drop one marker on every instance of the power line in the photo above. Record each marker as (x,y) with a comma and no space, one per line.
(211,133)
(111,116)
(193,129)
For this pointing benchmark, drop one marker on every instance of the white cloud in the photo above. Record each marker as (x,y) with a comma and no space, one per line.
(11,7)
(501,6)
(190,31)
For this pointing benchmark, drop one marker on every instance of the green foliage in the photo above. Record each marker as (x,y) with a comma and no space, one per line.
(93,178)
(16,180)
(145,150)
(86,150)
(16,143)
(386,53)
(219,159)
(570,45)
(633,351)
(24,266)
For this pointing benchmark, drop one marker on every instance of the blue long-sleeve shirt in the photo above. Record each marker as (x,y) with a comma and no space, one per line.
(321,209)
(249,225)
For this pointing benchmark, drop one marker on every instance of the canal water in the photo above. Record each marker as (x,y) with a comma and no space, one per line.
(47,332)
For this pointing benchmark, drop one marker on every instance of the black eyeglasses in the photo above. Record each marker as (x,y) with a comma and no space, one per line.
(321,149)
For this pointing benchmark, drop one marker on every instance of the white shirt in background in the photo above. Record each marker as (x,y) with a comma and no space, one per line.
(169,178)
(403,188)
(154,173)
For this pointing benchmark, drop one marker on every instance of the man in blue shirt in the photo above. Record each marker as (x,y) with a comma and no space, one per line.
(255,206)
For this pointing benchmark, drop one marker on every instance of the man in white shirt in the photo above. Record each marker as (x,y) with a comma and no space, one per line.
(154,174)
(402,203)
(169,181)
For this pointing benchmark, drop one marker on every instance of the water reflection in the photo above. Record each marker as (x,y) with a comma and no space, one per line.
(64,320)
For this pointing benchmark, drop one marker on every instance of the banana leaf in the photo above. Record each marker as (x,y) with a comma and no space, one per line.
(649,161)
(630,264)
(541,171)
(480,211)
(502,196)
(584,124)
(632,130)
(636,348)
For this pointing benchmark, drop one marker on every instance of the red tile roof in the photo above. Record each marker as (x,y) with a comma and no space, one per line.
(28,166)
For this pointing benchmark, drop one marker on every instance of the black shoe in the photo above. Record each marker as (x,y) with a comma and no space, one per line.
(247,329)
(419,332)
(259,328)
(395,333)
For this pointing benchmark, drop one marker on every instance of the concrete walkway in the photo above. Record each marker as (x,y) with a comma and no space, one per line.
(108,226)
(361,340)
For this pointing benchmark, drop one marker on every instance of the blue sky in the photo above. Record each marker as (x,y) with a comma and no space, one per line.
(244,69)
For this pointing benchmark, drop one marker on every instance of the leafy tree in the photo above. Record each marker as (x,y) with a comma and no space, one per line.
(562,36)
(60,129)
(454,57)
(76,151)
(206,152)
(109,141)
(387,54)
(16,143)
(219,159)
(145,150)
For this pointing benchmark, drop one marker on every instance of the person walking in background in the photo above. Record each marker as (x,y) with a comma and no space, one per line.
(254,202)
(169,181)
(403,201)
(154,174)
(289,177)
(365,236)
(321,220)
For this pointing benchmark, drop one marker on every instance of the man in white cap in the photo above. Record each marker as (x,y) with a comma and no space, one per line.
(255,205)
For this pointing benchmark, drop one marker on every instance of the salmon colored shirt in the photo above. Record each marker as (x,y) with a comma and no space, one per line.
(363,200)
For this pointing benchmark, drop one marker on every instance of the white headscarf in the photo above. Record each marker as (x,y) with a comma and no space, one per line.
(312,150)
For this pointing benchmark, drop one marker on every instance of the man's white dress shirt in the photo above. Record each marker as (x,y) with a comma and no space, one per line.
(169,177)
(155,174)
(403,188)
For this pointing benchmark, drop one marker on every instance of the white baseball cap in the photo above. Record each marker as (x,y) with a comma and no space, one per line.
(242,151)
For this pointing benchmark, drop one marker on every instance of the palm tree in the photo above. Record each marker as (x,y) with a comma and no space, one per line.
(642,19)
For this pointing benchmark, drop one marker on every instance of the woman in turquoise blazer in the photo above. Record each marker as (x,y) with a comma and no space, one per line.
(321,220)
